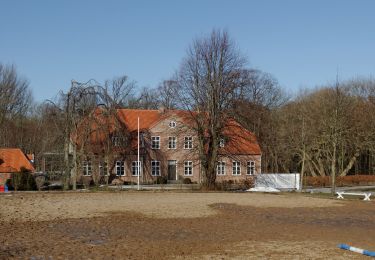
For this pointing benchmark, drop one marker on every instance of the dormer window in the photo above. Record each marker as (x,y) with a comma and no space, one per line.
(172,124)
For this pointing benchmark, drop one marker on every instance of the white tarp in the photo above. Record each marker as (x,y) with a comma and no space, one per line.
(283,181)
(263,189)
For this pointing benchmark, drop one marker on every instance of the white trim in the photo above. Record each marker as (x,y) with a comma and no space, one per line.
(152,142)
(189,167)
(175,142)
(136,166)
(159,166)
(237,162)
(119,166)
(224,168)
(249,166)
(101,166)
(86,165)
(172,124)
(189,148)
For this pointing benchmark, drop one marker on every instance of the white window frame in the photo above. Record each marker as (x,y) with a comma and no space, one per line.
(250,168)
(134,168)
(188,168)
(155,168)
(172,124)
(120,165)
(87,168)
(236,168)
(172,140)
(220,168)
(155,142)
(103,166)
(222,142)
(188,144)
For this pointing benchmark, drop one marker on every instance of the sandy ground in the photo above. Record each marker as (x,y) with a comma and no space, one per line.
(182,225)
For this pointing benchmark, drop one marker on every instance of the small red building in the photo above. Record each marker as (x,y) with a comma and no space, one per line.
(12,160)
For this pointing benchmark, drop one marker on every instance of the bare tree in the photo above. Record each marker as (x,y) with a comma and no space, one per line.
(167,94)
(208,79)
(15,100)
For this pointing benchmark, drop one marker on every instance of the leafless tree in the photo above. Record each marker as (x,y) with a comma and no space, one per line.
(167,94)
(15,101)
(208,79)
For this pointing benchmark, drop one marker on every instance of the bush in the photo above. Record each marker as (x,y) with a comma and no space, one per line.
(247,183)
(40,181)
(161,180)
(87,182)
(23,180)
(350,180)
(187,181)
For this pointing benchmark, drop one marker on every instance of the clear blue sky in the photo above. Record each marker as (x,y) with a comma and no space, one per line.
(302,43)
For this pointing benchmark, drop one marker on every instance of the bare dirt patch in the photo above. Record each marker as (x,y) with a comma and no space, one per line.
(181,225)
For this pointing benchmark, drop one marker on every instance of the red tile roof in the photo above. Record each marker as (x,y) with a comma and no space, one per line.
(12,160)
(147,118)
(240,140)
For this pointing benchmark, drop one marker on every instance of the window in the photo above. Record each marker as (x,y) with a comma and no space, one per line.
(155,168)
(236,168)
(188,168)
(220,168)
(87,168)
(172,142)
(172,124)
(188,143)
(135,168)
(155,142)
(116,140)
(222,142)
(250,168)
(103,168)
(120,170)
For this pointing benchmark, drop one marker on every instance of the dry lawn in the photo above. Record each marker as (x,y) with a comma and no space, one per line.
(162,225)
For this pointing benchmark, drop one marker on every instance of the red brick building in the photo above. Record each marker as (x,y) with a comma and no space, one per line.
(168,148)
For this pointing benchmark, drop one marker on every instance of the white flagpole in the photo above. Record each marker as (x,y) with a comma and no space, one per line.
(138,164)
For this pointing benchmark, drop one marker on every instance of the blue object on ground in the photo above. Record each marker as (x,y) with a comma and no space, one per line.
(5,188)
(357,250)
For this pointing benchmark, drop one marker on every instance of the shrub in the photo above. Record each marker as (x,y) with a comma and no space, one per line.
(187,181)
(247,183)
(87,182)
(23,180)
(40,181)
(161,180)
(350,180)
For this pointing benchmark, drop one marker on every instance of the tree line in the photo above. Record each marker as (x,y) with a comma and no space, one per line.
(324,131)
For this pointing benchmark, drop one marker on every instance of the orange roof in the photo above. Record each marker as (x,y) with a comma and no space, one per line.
(147,118)
(12,160)
(240,140)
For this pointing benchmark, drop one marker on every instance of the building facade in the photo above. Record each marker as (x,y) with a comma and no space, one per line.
(168,149)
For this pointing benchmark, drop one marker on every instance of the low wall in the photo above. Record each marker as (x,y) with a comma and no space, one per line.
(281,181)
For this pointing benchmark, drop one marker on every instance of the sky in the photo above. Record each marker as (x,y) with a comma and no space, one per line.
(301,43)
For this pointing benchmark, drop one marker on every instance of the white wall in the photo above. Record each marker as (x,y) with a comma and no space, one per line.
(278,180)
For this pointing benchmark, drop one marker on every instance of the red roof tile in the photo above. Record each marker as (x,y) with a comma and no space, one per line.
(12,160)
(240,140)
(147,118)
